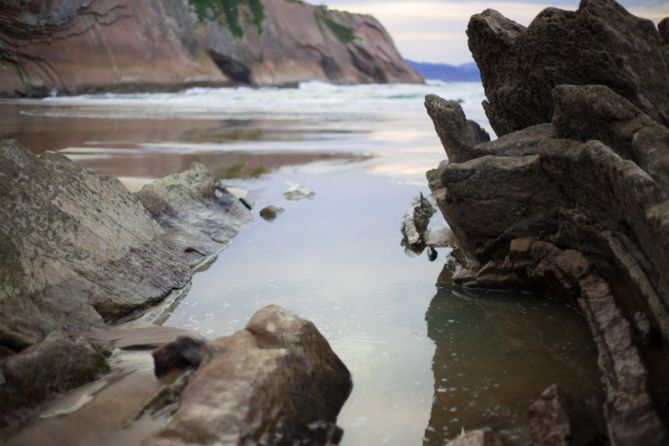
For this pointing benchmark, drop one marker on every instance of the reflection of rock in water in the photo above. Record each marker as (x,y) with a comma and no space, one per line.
(496,353)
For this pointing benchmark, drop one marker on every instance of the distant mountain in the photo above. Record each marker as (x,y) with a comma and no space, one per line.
(468,72)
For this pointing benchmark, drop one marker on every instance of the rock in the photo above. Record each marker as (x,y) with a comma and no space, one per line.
(296,192)
(556,420)
(197,213)
(432,254)
(269,213)
(600,43)
(457,134)
(415,224)
(78,250)
(632,416)
(82,46)
(56,364)
(595,112)
(480,437)
(182,353)
(277,381)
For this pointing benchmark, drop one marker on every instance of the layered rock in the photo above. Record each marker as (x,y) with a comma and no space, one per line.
(275,382)
(78,250)
(198,214)
(600,43)
(77,46)
(583,167)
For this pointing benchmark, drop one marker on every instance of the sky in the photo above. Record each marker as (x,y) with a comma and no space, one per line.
(434,30)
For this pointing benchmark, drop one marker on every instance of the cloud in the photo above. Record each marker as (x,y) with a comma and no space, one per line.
(434,30)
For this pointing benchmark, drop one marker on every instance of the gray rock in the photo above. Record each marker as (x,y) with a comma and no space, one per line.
(56,364)
(297,193)
(77,249)
(457,134)
(197,213)
(269,213)
(557,420)
(275,382)
(600,43)
(415,223)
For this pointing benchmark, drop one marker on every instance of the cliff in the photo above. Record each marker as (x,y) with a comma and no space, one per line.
(82,46)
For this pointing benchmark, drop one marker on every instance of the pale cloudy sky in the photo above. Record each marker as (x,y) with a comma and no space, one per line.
(434,30)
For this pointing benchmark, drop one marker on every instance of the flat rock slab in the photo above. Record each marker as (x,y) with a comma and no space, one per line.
(77,249)
(135,338)
(198,214)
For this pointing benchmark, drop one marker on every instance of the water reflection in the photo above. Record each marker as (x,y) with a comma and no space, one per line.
(495,353)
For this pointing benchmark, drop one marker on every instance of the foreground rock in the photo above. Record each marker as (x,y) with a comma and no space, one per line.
(580,174)
(275,382)
(78,46)
(197,213)
(78,250)
(600,43)
(270,213)
(56,364)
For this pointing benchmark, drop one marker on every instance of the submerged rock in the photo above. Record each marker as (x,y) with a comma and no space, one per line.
(297,193)
(56,364)
(78,249)
(480,437)
(197,213)
(270,213)
(600,43)
(275,382)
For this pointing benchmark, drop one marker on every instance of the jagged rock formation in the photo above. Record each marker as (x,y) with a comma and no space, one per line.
(275,382)
(77,46)
(600,43)
(582,167)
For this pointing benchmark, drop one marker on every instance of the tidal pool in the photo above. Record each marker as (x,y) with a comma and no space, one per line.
(427,361)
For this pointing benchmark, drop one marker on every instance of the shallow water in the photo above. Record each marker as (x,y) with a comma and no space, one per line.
(426,361)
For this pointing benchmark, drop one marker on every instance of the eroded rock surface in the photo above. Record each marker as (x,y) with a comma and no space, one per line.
(580,174)
(600,43)
(275,382)
(78,250)
(197,213)
(480,437)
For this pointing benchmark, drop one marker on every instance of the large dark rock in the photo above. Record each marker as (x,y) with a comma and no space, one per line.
(600,43)
(77,249)
(197,213)
(275,382)
(56,364)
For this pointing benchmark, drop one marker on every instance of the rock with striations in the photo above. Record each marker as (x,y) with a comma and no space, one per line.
(81,46)
(600,43)
(78,249)
(583,165)
(275,382)
(198,214)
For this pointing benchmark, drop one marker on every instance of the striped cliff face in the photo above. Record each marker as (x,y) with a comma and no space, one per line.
(78,46)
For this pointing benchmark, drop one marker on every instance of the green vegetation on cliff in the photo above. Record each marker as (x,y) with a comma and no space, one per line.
(344,33)
(227,13)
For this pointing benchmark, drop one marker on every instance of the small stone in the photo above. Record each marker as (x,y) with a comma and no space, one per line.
(270,213)
(296,193)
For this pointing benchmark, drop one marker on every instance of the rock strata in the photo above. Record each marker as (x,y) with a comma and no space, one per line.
(78,250)
(275,382)
(82,46)
(198,214)
(572,198)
